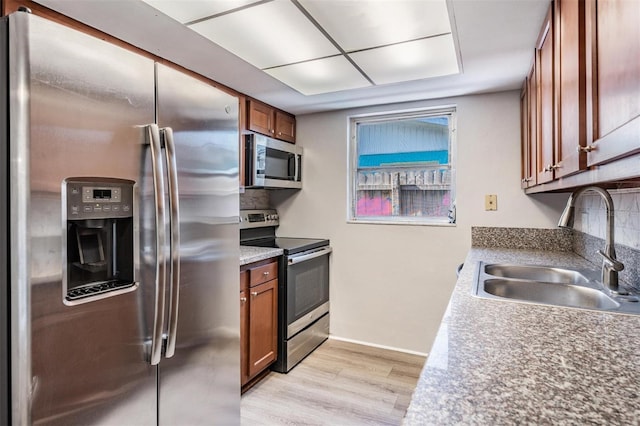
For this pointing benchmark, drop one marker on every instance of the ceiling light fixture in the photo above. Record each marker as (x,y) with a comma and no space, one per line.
(326,46)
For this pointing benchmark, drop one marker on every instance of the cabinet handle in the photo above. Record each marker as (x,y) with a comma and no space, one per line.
(587,148)
(254,293)
(243,299)
(266,274)
(279,133)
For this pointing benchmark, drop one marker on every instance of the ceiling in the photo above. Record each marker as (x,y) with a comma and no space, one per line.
(320,46)
(495,40)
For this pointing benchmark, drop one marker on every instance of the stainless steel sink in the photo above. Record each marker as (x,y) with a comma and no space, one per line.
(550,285)
(550,294)
(537,273)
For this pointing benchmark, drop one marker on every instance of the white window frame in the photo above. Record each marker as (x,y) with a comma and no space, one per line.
(352,175)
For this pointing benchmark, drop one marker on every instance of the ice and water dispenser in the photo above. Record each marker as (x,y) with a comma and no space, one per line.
(99,238)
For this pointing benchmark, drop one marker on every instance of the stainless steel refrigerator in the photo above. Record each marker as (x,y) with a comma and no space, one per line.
(119,220)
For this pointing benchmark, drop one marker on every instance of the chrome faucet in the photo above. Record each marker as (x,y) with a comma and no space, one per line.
(610,265)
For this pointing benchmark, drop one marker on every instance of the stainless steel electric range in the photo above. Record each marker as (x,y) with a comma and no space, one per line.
(303,289)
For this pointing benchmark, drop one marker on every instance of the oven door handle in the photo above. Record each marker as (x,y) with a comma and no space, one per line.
(304,257)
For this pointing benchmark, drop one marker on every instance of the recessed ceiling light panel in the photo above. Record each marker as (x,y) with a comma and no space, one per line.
(364,24)
(320,76)
(190,10)
(414,60)
(267,35)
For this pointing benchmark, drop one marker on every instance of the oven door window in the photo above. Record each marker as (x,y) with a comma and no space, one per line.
(307,286)
(280,165)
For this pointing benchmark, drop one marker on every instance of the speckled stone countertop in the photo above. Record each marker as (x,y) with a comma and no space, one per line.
(498,362)
(250,254)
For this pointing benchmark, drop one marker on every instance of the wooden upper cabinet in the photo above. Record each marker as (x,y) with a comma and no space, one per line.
(570,87)
(613,78)
(545,76)
(285,127)
(262,118)
(528,134)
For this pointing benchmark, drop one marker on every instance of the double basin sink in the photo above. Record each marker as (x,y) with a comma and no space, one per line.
(548,285)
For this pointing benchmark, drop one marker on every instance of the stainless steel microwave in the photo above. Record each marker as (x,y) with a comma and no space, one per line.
(270,163)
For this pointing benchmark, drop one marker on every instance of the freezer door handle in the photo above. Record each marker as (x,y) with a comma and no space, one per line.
(174,220)
(153,137)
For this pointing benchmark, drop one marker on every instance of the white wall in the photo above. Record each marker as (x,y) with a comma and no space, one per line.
(390,284)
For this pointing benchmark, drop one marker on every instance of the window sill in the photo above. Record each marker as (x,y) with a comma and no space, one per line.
(422,222)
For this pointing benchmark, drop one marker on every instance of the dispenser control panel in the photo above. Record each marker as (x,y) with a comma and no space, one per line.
(89,199)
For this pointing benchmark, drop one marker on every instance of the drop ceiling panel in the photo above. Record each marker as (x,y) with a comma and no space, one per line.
(190,10)
(320,76)
(363,24)
(267,35)
(431,57)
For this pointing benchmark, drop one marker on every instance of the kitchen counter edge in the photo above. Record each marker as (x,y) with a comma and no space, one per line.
(250,254)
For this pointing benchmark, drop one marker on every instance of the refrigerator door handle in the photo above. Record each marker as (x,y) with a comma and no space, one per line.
(174,271)
(161,261)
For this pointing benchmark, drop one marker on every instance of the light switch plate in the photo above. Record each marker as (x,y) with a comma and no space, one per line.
(490,202)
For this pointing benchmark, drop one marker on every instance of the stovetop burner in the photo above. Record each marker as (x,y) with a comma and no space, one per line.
(258,228)
(288,245)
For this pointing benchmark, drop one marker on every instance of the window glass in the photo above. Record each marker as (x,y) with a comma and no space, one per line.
(402,168)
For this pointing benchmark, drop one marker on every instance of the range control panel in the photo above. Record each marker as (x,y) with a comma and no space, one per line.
(258,218)
(98,198)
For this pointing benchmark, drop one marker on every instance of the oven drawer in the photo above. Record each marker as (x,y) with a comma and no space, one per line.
(262,274)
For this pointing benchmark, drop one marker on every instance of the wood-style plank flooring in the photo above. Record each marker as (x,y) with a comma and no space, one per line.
(340,383)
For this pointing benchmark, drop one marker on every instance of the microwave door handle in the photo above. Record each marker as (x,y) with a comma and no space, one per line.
(174,221)
(153,137)
(298,159)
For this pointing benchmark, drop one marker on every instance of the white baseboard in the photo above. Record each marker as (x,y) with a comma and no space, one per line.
(373,345)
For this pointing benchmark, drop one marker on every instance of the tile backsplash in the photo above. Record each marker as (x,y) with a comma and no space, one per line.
(591,216)
(254,199)
(591,222)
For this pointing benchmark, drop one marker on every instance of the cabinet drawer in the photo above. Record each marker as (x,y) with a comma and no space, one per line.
(262,274)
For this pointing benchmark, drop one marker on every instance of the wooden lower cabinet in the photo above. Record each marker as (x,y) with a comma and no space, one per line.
(258,319)
(262,328)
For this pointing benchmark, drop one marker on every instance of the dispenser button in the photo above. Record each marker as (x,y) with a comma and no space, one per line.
(126,207)
(106,208)
(75,209)
(116,208)
(88,209)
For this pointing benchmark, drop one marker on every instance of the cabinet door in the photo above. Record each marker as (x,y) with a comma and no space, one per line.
(244,353)
(285,127)
(527,120)
(260,118)
(544,69)
(263,329)
(532,90)
(613,75)
(570,87)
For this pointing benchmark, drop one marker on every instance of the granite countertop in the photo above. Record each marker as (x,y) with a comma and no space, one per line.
(250,254)
(498,362)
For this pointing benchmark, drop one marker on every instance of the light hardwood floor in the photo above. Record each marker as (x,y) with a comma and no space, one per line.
(340,383)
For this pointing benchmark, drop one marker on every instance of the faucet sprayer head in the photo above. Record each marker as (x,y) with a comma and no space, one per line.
(566,218)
